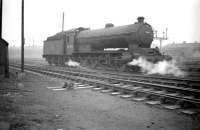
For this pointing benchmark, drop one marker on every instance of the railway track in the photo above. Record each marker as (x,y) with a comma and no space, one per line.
(191,66)
(184,100)
(191,79)
(178,82)
(164,80)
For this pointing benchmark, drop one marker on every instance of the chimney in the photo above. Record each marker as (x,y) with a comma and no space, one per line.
(140,19)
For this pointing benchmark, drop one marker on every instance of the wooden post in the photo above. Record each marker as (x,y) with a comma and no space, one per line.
(63,20)
(22,38)
(1,6)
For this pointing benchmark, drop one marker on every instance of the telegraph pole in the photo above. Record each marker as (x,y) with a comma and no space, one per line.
(164,37)
(1,13)
(63,20)
(22,38)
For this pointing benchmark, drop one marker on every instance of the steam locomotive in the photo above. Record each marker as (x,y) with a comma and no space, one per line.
(111,46)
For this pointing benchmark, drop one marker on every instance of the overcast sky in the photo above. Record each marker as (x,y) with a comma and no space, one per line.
(44,17)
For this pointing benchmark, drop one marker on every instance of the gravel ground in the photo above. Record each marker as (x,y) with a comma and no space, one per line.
(32,106)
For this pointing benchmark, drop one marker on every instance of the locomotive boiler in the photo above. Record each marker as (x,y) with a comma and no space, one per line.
(110,46)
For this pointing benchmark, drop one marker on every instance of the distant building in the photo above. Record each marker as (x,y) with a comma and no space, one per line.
(29,52)
(183,50)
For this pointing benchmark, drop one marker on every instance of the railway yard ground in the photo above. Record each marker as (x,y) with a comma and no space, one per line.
(39,102)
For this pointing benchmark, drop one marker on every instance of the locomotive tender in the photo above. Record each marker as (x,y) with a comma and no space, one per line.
(110,46)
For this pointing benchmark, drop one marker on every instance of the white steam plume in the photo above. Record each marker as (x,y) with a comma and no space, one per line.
(72,63)
(161,67)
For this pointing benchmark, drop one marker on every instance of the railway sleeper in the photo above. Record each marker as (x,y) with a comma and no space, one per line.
(185,103)
(119,90)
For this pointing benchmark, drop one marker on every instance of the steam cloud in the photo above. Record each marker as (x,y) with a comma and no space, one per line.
(162,67)
(72,63)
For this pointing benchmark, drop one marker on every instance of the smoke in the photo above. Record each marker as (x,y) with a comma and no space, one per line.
(72,63)
(161,67)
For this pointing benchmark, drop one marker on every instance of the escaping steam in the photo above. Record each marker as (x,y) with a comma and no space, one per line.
(162,67)
(72,63)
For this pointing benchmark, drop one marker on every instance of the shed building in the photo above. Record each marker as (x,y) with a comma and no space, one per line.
(4,58)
